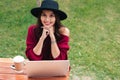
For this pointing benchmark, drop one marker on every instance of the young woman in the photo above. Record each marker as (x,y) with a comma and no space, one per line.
(48,39)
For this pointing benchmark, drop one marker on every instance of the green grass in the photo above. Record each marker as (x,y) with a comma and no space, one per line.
(95,35)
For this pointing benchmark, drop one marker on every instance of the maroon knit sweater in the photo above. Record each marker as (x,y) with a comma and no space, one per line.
(46,49)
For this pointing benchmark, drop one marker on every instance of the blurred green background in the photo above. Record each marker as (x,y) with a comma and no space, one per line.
(94,41)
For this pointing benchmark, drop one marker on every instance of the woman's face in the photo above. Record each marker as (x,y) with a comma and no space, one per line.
(48,18)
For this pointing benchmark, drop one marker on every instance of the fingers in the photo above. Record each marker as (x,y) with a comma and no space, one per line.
(48,30)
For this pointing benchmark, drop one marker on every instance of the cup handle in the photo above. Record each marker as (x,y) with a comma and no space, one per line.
(12,67)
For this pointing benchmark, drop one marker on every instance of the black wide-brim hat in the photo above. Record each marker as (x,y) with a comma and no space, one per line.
(49,5)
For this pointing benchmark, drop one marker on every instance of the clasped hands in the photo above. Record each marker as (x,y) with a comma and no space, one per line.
(48,31)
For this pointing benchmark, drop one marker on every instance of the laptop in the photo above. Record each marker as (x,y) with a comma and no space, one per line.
(47,68)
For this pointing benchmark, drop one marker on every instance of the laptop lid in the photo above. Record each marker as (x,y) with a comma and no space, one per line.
(46,68)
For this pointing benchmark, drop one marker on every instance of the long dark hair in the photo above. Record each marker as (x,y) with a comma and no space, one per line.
(38,30)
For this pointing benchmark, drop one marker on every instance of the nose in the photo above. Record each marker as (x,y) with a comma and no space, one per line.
(47,19)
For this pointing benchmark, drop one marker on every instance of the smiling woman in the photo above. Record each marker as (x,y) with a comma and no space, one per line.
(47,18)
(48,39)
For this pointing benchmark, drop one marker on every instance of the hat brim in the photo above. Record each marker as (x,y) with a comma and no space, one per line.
(36,12)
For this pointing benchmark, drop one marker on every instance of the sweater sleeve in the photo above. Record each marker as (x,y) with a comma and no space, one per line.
(30,43)
(64,47)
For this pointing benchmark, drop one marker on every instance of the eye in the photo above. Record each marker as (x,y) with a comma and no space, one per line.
(52,15)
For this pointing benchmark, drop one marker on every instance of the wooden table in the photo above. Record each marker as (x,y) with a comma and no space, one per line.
(6,73)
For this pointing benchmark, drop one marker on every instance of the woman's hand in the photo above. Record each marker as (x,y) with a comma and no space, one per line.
(45,33)
(51,31)
(48,31)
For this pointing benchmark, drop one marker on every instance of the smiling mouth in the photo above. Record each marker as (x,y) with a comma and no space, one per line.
(47,24)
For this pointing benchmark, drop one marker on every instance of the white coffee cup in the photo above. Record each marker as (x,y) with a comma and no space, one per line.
(18,63)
